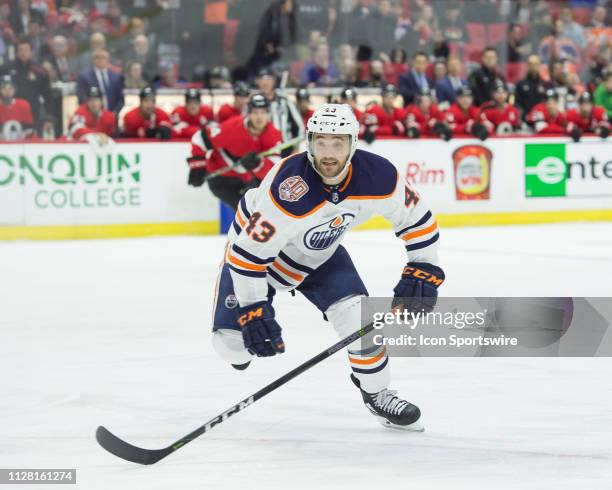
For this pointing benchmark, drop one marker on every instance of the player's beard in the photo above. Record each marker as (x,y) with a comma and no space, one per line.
(331,169)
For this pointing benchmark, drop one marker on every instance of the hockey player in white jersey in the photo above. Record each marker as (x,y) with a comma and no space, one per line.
(286,236)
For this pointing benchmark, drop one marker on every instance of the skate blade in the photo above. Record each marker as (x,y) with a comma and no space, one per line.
(414,427)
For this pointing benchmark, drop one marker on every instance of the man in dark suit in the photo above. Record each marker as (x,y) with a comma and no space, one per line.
(484,80)
(414,81)
(109,82)
(446,89)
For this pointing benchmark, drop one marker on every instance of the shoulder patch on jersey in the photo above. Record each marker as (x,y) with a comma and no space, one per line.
(296,188)
(374,177)
(292,189)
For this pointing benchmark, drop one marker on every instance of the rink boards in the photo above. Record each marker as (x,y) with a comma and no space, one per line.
(74,190)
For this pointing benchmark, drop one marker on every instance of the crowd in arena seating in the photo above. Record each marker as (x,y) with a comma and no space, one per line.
(443,67)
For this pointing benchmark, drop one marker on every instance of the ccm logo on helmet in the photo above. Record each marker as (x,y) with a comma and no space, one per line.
(421,274)
(325,235)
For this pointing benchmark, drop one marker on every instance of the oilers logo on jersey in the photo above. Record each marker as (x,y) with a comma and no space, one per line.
(325,235)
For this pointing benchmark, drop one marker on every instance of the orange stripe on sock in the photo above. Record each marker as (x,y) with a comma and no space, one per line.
(369,361)
(424,231)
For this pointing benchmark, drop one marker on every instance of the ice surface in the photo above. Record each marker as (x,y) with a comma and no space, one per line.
(117,333)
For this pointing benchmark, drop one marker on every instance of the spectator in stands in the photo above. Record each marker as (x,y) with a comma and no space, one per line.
(383,27)
(191,117)
(22,15)
(109,82)
(238,107)
(116,24)
(483,80)
(463,117)
(439,71)
(385,119)
(426,25)
(276,35)
(97,41)
(30,79)
(424,118)
(141,52)
(376,75)
(452,24)
(16,120)
(560,80)
(572,29)
(37,39)
(446,88)
(603,94)
(395,65)
(531,90)
(359,23)
(348,71)
(64,66)
(169,77)
(320,72)
(547,117)
(147,120)
(499,115)
(133,76)
(518,48)
(220,77)
(415,80)
(284,114)
(91,121)
(587,118)
(302,100)
(7,34)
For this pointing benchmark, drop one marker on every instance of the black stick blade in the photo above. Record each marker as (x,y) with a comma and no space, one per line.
(126,451)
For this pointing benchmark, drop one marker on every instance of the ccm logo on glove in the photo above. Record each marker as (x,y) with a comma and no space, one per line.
(249,316)
(421,274)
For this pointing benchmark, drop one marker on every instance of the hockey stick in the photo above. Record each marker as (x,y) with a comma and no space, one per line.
(135,454)
(275,149)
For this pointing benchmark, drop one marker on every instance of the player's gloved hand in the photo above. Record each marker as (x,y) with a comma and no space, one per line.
(604,132)
(260,331)
(250,161)
(576,134)
(417,290)
(442,130)
(398,128)
(369,136)
(148,133)
(163,133)
(197,176)
(480,131)
(413,132)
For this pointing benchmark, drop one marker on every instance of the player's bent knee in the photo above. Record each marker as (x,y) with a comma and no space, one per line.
(345,315)
(230,346)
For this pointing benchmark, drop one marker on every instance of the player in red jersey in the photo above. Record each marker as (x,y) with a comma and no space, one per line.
(238,108)
(302,99)
(384,119)
(16,121)
(193,116)
(587,118)
(235,145)
(424,118)
(146,120)
(498,114)
(463,117)
(92,120)
(547,117)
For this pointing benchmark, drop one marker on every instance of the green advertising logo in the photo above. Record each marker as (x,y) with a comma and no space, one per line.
(545,170)
(68,180)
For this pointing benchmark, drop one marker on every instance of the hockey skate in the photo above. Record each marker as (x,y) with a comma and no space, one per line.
(390,410)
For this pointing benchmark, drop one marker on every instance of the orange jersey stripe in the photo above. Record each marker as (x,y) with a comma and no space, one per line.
(372,360)
(348,179)
(240,218)
(245,265)
(287,272)
(424,231)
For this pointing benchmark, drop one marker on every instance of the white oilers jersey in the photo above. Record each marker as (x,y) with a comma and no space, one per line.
(292,223)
